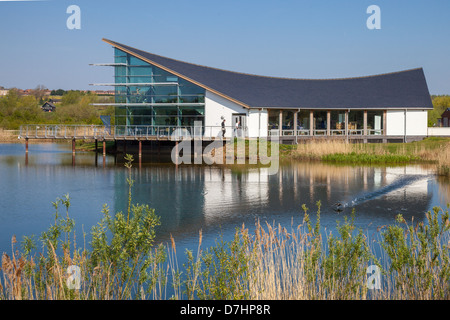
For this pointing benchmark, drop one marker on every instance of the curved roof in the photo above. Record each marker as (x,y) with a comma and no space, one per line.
(397,90)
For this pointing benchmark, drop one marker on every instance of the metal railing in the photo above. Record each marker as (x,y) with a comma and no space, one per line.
(160,132)
(129,132)
(324,132)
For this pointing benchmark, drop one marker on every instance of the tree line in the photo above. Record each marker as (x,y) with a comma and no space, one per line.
(440,104)
(75,108)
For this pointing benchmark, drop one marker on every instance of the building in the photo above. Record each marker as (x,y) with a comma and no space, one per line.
(152,90)
(445,118)
(48,107)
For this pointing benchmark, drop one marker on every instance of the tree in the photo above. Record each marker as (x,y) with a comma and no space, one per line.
(58,92)
(39,92)
(71,97)
(440,104)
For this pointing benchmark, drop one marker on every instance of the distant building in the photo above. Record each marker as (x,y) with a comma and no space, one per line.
(105,92)
(4,92)
(48,107)
(445,118)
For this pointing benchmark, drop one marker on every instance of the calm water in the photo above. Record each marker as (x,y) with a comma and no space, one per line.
(214,199)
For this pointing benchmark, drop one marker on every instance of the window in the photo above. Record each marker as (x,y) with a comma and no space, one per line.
(374,122)
(303,122)
(337,122)
(320,120)
(356,122)
(166,99)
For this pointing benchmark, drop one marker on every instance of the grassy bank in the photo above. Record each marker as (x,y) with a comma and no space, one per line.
(120,260)
(429,150)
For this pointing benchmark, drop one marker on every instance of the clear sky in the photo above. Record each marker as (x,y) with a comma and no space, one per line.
(291,38)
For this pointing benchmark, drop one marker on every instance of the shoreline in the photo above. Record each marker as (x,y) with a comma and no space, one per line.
(428,151)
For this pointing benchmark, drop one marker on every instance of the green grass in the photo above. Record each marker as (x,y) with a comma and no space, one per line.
(367,158)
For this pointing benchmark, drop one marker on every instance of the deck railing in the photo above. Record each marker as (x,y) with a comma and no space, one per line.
(37,131)
(128,132)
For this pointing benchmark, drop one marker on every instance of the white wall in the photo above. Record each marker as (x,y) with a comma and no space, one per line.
(438,131)
(217,107)
(395,122)
(416,122)
(257,123)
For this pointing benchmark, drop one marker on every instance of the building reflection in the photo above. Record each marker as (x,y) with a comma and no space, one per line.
(190,198)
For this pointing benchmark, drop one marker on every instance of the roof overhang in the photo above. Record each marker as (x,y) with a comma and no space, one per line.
(175,73)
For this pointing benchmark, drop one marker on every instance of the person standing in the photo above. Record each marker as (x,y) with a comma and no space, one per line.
(223,128)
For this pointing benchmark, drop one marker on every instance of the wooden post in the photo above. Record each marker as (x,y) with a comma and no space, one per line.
(224,151)
(176,154)
(311,123)
(280,123)
(96,146)
(346,125)
(73,152)
(365,126)
(26,151)
(328,123)
(295,124)
(104,152)
(365,122)
(140,152)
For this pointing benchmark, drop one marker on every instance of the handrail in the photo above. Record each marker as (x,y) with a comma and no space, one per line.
(166,132)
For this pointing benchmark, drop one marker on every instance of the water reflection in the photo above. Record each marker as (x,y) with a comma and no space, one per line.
(219,199)
(216,199)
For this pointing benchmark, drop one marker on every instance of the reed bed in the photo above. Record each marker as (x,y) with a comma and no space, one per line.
(271,262)
(430,150)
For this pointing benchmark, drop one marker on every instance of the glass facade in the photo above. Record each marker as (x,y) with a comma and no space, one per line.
(153,96)
(274,119)
(356,122)
(337,122)
(287,121)
(303,122)
(375,122)
(320,122)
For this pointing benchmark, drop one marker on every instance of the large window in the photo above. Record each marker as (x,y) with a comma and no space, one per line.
(287,121)
(320,122)
(337,122)
(153,96)
(274,119)
(375,122)
(303,122)
(356,122)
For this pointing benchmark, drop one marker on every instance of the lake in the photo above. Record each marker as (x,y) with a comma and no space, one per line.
(214,199)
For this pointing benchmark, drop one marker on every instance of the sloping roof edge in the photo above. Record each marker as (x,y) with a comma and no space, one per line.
(117,45)
(405,89)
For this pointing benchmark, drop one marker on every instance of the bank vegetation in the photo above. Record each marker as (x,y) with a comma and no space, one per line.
(431,150)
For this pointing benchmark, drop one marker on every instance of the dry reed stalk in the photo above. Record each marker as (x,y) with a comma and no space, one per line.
(319,148)
(57,273)
(12,269)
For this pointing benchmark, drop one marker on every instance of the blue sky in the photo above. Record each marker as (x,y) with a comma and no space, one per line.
(299,39)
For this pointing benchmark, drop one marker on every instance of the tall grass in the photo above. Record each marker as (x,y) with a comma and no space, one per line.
(272,262)
(431,150)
